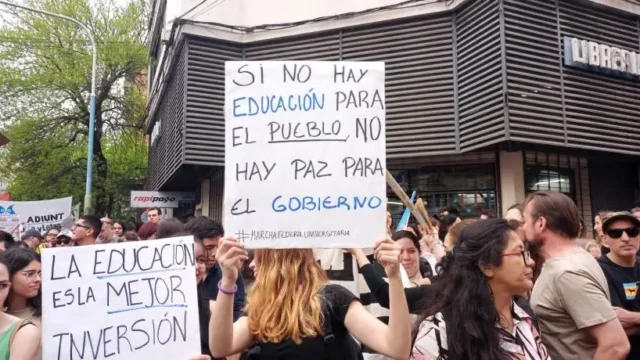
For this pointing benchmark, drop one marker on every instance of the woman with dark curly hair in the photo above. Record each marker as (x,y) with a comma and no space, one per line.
(473,314)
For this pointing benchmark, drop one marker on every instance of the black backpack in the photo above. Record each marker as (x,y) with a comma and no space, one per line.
(351,349)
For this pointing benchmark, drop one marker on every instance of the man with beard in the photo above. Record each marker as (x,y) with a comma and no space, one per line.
(622,269)
(571,295)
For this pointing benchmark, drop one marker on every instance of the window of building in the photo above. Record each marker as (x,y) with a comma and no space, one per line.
(470,188)
(550,179)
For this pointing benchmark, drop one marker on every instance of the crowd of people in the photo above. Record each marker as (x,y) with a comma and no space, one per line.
(529,286)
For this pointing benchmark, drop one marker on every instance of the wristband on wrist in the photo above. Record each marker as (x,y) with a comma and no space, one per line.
(227,292)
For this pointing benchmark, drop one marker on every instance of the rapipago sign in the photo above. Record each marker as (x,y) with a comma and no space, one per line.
(147,199)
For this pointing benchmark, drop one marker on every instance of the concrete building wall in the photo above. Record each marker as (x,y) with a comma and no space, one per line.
(511,179)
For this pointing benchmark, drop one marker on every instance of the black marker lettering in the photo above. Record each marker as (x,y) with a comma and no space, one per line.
(111,270)
(250,74)
(123,289)
(56,299)
(362,167)
(246,136)
(308,168)
(358,100)
(73,267)
(261,74)
(132,292)
(258,171)
(96,262)
(368,127)
(122,336)
(135,329)
(301,75)
(105,342)
(175,288)
(183,329)
(53,270)
(247,209)
(61,336)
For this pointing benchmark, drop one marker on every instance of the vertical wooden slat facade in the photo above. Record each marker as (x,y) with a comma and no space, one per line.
(167,150)
(490,72)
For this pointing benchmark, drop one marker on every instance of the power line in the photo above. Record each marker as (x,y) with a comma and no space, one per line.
(211,6)
(164,72)
(280,26)
(46,41)
(193,8)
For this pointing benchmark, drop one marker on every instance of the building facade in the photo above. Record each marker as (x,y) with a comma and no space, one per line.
(487,100)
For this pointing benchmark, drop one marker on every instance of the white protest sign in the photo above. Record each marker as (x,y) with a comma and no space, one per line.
(39,215)
(305,153)
(134,300)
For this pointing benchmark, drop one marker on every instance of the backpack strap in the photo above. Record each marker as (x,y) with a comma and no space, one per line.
(442,348)
(327,326)
(19,325)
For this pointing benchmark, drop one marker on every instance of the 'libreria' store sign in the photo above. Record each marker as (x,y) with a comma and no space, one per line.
(602,58)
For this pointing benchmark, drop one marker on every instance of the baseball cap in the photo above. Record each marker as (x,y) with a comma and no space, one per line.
(31,233)
(620,215)
(66,233)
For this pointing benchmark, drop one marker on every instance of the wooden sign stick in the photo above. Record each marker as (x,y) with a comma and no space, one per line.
(405,199)
(423,211)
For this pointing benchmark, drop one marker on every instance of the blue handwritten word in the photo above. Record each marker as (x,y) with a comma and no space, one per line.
(310,203)
(250,106)
(138,273)
(147,307)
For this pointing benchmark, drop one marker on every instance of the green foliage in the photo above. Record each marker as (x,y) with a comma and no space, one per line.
(45,81)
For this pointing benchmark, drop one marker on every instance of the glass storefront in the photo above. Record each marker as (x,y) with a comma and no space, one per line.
(470,188)
(559,179)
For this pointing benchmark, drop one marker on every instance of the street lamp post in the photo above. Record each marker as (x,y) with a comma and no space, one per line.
(92,100)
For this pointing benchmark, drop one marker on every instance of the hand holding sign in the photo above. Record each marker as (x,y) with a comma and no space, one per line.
(387,253)
(231,255)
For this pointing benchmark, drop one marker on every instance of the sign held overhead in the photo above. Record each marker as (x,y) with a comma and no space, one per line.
(305,153)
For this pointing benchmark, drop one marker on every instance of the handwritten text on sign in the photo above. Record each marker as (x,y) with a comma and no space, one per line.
(305,153)
(132,300)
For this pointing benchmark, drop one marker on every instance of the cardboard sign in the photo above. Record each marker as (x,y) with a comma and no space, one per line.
(305,154)
(134,300)
(39,215)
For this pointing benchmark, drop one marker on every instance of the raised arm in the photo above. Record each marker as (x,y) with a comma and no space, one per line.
(226,337)
(373,276)
(393,340)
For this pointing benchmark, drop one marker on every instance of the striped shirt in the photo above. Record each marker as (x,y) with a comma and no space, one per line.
(523,343)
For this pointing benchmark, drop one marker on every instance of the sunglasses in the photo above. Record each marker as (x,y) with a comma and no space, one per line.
(65,241)
(617,233)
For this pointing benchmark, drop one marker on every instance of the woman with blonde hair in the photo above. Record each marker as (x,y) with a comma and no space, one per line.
(285,313)
(591,246)
(598,233)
